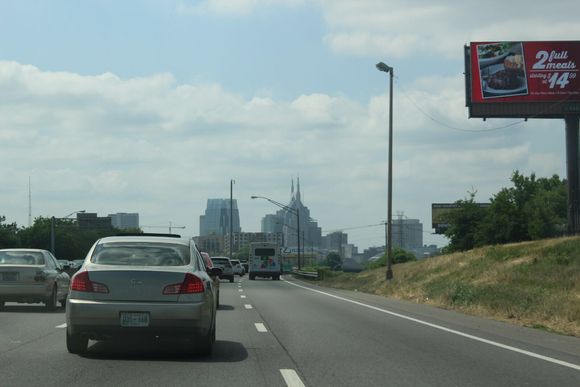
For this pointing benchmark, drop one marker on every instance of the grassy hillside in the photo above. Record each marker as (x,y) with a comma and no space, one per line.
(535,284)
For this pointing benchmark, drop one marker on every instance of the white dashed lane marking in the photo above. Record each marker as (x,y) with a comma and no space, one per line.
(291,378)
(61,326)
(260,327)
(248,306)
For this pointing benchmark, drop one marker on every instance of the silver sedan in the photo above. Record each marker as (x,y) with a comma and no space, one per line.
(142,286)
(31,276)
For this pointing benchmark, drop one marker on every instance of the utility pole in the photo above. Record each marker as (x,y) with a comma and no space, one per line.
(231,217)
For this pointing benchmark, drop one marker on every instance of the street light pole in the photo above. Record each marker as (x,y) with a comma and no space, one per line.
(295,211)
(231,216)
(389,275)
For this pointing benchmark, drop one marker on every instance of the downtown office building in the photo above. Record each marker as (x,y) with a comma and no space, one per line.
(216,220)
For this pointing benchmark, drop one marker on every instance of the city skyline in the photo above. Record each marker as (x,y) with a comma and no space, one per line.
(173,99)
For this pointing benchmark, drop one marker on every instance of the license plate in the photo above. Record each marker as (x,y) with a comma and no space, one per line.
(134,319)
(9,276)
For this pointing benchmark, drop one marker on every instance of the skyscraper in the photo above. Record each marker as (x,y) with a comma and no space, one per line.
(216,219)
(286,222)
(122,220)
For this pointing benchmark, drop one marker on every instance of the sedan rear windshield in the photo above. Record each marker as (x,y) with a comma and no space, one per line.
(21,258)
(221,261)
(141,254)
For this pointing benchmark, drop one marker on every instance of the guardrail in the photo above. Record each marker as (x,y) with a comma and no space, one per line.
(307,274)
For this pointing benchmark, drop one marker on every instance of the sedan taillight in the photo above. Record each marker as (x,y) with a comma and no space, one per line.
(191,284)
(82,283)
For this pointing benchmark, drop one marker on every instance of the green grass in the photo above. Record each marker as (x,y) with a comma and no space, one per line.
(536,284)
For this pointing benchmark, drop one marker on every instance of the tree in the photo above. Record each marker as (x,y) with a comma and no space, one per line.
(530,209)
(463,224)
(402,256)
(70,242)
(399,256)
(243,253)
(334,261)
(8,234)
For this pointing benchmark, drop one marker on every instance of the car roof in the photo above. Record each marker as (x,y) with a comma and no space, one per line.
(24,249)
(148,239)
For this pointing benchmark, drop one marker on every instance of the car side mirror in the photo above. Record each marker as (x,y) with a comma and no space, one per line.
(215,272)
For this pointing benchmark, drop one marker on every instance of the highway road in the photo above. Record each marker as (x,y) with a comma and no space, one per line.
(289,333)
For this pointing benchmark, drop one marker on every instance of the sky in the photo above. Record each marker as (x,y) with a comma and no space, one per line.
(154,106)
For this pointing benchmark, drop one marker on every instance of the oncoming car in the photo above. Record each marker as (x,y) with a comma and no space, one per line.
(31,276)
(144,286)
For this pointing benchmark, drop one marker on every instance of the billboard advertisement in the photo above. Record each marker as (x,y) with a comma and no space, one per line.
(524,72)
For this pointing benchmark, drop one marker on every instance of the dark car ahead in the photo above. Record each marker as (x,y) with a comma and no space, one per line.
(216,273)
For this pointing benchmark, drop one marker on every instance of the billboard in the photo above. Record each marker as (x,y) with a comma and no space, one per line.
(440,211)
(523,79)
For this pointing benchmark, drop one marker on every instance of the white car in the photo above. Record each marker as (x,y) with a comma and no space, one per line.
(238,268)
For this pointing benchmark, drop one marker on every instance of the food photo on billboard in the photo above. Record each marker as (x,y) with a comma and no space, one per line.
(502,69)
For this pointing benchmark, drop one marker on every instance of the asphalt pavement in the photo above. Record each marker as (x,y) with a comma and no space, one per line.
(290,333)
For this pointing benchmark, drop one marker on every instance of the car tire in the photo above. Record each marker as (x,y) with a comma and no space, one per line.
(1,305)
(252,277)
(206,344)
(63,302)
(76,343)
(232,279)
(218,300)
(51,301)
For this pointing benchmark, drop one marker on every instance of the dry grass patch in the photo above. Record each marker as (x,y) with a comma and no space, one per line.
(535,284)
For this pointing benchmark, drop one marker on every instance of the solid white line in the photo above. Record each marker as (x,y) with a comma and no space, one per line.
(242,296)
(248,306)
(261,327)
(494,343)
(291,378)
(61,326)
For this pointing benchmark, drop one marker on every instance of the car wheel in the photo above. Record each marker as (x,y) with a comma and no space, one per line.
(252,277)
(76,343)
(232,279)
(1,305)
(51,301)
(63,302)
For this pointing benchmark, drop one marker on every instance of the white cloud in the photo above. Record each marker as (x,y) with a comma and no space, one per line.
(160,148)
(400,28)
(232,7)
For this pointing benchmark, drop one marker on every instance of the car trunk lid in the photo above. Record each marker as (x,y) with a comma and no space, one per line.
(144,284)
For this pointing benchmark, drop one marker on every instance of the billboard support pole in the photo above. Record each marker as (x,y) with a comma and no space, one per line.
(573,171)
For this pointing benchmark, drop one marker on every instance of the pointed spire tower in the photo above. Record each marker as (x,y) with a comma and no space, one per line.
(292,191)
(298,189)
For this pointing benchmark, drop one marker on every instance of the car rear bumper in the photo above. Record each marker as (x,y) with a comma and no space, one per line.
(264,273)
(16,292)
(98,319)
